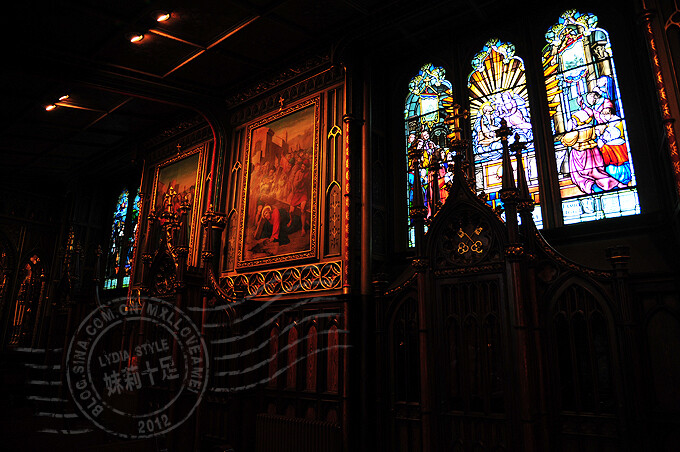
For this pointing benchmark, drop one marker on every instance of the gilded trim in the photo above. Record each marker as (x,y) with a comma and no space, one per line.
(312,251)
(291,280)
(197,208)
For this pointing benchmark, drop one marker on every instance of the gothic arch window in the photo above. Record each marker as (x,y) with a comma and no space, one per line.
(592,173)
(594,166)
(122,241)
(497,90)
(424,113)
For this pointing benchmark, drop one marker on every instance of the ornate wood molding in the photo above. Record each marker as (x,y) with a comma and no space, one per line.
(244,94)
(292,280)
(291,94)
(490,268)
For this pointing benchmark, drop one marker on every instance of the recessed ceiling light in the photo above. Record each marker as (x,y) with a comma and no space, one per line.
(64,97)
(161,16)
(136,37)
(50,107)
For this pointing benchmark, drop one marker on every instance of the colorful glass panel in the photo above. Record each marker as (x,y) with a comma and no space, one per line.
(594,166)
(497,90)
(131,240)
(113,266)
(122,243)
(424,114)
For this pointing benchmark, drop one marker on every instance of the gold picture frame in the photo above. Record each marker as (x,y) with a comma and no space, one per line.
(280,202)
(182,177)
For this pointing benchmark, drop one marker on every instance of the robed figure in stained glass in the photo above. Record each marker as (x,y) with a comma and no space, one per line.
(596,175)
(424,113)
(586,163)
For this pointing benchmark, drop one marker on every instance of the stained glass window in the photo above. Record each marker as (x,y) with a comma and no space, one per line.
(424,116)
(131,240)
(594,166)
(122,243)
(498,90)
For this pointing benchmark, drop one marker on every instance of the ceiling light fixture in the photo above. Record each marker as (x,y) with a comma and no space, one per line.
(50,107)
(136,37)
(64,97)
(161,16)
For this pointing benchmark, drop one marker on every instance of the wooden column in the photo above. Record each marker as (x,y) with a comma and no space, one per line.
(628,332)
(526,433)
(663,78)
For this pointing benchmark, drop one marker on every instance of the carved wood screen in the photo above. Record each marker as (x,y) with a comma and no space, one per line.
(405,377)
(584,392)
(519,348)
(273,358)
(472,357)
(311,359)
(332,360)
(661,330)
(292,363)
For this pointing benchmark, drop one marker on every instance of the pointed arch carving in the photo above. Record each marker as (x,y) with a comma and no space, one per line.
(467,232)
(292,353)
(333,359)
(662,331)
(333,219)
(311,359)
(582,343)
(231,232)
(404,351)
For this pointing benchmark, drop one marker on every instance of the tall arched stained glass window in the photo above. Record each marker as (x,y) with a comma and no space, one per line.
(424,115)
(595,171)
(497,89)
(122,242)
(134,223)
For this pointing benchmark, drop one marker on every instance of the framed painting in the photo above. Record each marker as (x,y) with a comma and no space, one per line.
(180,179)
(279,205)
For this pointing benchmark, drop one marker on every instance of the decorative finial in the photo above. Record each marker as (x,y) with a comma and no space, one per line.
(508,178)
(503,132)
(456,113)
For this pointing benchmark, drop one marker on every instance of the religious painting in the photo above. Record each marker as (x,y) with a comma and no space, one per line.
(179,180)
(279,206)
(592,151)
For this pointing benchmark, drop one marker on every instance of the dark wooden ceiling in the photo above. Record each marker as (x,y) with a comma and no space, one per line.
(121,93)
